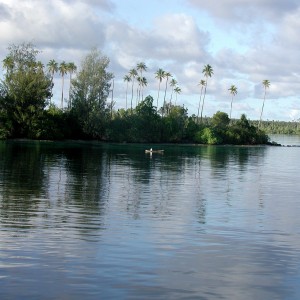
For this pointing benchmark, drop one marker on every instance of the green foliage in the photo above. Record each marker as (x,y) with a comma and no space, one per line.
(220,120)
(208,136)
(89,93)
(174,124)
(242,132)
(191,129)
(25,91)
(140,125)
(278,127)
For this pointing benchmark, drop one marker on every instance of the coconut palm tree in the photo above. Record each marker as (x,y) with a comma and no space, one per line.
(52,68)
(177,90)
(143,83)
(173,83)
(202,83)
(207,71)
(63,69)
(266,83)
(141,67)
(127,79)
(132,73)
(233,92)
(167,75)
(71,68)
(138,90)
(160,74)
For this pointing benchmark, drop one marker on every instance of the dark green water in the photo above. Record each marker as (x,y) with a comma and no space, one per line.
(104,221)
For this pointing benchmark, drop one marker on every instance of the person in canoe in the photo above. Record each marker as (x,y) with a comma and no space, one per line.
(154,151)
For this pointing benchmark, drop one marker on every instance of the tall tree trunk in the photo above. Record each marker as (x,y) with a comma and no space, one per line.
(62,92)
(203,100)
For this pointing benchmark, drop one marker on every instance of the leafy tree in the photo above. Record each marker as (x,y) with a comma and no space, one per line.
(242,132)
(89,94)
(233,92)
(266,84)
(208,136)
(63,69)
(174,124)
(208,72)
(147,125)
(220,120)
(25,92)
(8,64)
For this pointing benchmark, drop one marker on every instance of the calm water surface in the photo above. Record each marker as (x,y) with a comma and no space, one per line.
(105,221)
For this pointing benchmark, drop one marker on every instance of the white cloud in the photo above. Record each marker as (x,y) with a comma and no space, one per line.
(246,11)
(256,40)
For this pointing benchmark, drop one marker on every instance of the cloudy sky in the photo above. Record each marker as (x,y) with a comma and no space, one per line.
(245,42)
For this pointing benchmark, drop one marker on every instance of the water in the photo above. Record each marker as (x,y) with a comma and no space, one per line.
(105,221)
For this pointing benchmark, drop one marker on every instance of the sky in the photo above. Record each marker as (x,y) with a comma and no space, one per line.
(245,42)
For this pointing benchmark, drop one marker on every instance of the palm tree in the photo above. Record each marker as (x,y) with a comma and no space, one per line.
(143,83)
(173,83)
(52,68)
(167,75)
(141,67)
(132,73)
(266,83)
(177,90)
(207,71)
(71,68)
(233,92)
(160,74)
(138,89)
(127,79)
(202,83)
(63,69)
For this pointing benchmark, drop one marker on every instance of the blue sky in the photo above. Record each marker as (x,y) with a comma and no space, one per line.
(245,42)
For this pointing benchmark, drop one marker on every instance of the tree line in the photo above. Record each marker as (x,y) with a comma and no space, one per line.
(27,111)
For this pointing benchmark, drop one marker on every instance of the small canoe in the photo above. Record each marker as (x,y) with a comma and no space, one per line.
(154,151)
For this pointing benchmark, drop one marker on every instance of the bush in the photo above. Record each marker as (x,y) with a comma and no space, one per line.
(208,136)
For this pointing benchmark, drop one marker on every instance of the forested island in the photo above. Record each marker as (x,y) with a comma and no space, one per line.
(26,109)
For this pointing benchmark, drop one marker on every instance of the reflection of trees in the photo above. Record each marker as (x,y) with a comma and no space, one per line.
(22,180)
(73,183)
(152,185)
(82,189)
(61,182)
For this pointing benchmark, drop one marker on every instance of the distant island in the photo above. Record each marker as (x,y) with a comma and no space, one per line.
(27,109)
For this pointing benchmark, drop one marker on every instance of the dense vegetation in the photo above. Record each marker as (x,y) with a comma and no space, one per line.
(26,110)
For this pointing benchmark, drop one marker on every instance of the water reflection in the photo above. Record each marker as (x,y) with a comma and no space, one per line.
(104,219)
(90,177)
